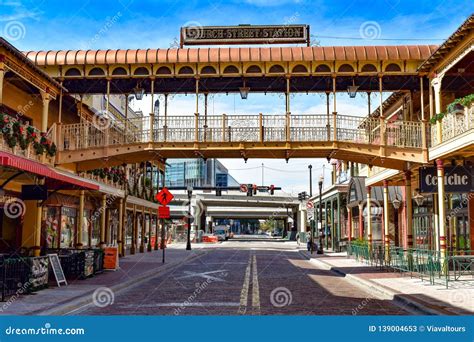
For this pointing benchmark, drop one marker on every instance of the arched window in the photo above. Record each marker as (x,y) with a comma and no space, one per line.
(231,69)
(73,72)
(96,72)
(323,68)
(299,69)
(186,71)
(254,69)
(276,69)
(392,67)
(163,71)
(346,68)
(141,71)
(208,70)
(119,72)
(369,68)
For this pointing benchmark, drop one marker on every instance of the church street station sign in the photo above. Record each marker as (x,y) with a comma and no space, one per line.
(245,34)
(457,179)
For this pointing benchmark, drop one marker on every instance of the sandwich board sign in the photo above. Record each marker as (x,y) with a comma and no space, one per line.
(57,269)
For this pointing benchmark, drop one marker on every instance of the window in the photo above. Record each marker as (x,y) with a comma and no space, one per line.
(346,68)
(254,69)
(323,68)
(369,68)
(119,72)
(208,70)
(276,69)
(141,71)
(163,71)
(231,69)
(300,69)
(392,67)
(72,72)
(186,71)
(68,227)
(96,72)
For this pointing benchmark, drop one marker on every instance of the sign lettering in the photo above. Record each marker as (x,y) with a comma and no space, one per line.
(457,179)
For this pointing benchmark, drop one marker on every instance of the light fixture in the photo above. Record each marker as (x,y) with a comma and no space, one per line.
(156,108)
(418,198)
(138,92)
(352,90)
(244,92)
(396,203)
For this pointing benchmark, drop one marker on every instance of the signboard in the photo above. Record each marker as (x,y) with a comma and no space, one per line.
(57,269)
(309,205)
(245,34)
(164,212)
(243,187)
(457,179)
(164,196)
(111,259)
(310,214)
(39,272)
(34,192)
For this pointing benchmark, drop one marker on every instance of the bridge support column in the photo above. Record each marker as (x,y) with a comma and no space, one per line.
(436,83)
(369,216)
(143,233)
(80,219)
(44,115)
(386,219)
(441,212)
(103,218)
(150,230)
(133,248)
(302,212)
(408,208)
(120,232)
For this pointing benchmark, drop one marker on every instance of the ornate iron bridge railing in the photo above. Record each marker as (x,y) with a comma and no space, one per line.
(241,128)
(453,125)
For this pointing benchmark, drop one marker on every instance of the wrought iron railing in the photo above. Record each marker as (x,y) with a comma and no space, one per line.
(453,125)
(240,128)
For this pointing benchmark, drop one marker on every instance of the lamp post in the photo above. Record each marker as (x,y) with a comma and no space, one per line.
(190,193)
(320,183)
(310,167)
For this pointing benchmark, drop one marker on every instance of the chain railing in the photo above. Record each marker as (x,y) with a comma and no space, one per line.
(239,128)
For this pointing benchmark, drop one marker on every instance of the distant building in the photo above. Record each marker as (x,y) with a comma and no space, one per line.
(197,172)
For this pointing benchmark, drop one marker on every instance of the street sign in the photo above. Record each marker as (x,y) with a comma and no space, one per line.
(309,205)
(310,214)
(164,196)
(243,187)
(457,179)
(164,212)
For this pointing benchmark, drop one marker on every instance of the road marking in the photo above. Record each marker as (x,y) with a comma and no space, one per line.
(255,288)
(244,294)
(205,275)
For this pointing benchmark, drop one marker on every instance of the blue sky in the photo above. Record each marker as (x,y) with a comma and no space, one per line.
(53,25)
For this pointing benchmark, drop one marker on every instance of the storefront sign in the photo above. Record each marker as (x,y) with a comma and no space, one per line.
(244,34)
(457,179)
(39,272)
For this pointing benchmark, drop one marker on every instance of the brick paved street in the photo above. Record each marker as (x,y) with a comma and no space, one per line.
(248,278)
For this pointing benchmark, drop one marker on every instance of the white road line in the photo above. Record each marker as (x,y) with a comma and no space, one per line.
(183,304)
(255,288)
(244,294)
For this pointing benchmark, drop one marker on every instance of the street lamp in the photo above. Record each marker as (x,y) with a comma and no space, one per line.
(310,167)
(352,90)
(244,91)
(138,92)
(190,194)
(320,183)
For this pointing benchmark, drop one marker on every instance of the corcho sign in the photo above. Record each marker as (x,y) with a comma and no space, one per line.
(456,179)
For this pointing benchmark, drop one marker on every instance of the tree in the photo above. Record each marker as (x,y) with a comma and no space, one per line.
(268,225)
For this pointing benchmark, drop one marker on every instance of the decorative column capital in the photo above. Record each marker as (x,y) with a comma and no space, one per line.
(385,183)
(439,164)
(407,175)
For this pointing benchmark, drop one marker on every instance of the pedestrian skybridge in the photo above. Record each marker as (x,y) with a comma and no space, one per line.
(371,141)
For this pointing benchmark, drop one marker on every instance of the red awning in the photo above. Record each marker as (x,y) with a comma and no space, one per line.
(57,180)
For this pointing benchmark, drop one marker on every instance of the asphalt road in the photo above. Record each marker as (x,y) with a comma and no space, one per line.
(245,278)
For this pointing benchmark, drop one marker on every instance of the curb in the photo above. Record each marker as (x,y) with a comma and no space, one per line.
(86,298)
(405,300)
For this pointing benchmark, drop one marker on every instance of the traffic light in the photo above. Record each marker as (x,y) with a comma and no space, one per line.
(218,192)
(272,189)
(254,187)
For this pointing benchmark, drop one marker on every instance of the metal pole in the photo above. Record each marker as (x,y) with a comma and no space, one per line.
(262,175)
(320,247)
(310,167)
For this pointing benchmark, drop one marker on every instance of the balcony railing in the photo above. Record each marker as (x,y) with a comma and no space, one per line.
(453,125)
(240,128)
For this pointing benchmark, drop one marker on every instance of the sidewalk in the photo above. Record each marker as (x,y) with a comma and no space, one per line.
(412,292)
(133,269)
